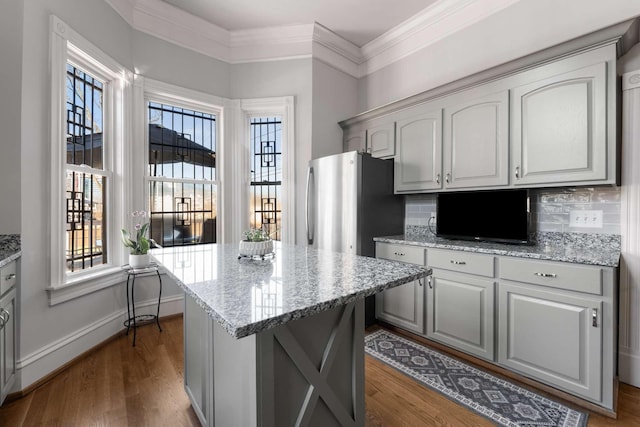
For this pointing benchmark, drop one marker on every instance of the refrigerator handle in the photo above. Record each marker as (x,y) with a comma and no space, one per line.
(309,177)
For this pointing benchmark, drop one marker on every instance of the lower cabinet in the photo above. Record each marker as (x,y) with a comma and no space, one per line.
(402,306)
(8,325)
(460,312)
(551,336)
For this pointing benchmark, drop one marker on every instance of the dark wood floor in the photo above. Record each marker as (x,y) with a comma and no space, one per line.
(121,385)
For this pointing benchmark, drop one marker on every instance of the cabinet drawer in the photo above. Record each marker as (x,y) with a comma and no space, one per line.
(463,262)
(554,274)
(404,253)
(7,277)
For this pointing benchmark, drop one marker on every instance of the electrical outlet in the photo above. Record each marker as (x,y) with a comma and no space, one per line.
(585,219)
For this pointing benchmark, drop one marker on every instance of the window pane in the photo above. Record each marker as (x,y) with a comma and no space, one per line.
(266,175)
(85,203)
(84,119)
(182,143)
(183,213)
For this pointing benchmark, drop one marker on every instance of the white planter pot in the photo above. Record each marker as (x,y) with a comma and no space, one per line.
(255,248)
(139,261)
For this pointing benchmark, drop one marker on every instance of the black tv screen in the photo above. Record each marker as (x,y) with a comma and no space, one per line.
(497,216)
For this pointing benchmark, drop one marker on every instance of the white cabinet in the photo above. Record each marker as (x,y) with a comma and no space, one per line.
(476,142)
(418,161)
(381,138)
(354,139)
(403,305)
(557,325)
(559,128)
(8,278)
(197,358)
(460,309)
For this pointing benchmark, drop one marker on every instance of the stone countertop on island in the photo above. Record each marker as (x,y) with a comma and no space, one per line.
(579,248)
(248,296)
(9,248)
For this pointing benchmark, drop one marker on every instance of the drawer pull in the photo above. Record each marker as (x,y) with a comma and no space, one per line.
(429,282)
(552,275)
(4,312)
(10,276)
(458,262)
(594,317)
(399,253)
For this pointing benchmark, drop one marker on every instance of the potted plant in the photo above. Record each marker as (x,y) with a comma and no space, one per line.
(138,256)
(255,242)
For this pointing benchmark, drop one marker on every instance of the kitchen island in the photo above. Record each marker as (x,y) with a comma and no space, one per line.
(280,341)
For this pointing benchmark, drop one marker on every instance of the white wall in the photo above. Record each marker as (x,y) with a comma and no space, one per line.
(523,28)
(10,87)
(335,96)
(283,78)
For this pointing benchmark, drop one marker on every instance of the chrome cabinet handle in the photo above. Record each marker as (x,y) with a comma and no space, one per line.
(10,276)
(420,282)
(2,314)
(458,262)
(429,282)
(447,177)
(399,253)
(517,172)
(552,275)
(594,317)
(438,179)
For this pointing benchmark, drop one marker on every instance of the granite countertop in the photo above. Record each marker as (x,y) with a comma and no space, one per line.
(9,248)
(580,248)
(249,296)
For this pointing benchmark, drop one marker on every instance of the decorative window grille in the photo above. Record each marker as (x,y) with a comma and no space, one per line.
(182,175)
(266,175)
(86,178)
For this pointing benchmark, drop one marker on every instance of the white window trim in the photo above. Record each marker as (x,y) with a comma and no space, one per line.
(67,45)
(148,90)
(269,107)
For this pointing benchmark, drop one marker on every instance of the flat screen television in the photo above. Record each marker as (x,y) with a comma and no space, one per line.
(495,216)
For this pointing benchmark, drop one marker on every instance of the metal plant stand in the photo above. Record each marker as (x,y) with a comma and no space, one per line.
(134,321)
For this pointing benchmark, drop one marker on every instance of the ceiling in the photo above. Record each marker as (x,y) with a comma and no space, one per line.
(358,21)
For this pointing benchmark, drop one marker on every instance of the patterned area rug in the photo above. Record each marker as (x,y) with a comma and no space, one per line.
(494,398)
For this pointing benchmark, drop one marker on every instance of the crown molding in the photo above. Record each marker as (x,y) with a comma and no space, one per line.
(434,23)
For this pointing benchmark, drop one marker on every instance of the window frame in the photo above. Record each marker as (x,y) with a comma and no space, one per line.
(66,45)
(148,90)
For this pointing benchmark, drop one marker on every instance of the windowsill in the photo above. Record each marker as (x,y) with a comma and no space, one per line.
(86,284)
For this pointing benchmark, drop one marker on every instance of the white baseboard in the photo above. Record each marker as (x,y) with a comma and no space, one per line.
(47,359)
(629,367)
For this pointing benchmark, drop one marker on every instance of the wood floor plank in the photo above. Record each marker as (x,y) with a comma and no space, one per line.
(121,385)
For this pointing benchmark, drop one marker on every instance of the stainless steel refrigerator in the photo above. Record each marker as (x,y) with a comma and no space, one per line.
(350,201)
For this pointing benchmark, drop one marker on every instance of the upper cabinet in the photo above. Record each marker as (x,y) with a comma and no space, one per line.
(381,138)
(546,120)
(559,128)
(418,159)
(354,139)
(476,142)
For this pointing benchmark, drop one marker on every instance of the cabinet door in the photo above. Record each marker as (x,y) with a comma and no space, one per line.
(476,142)
(460,312)
(418,161)
(354,139)
(7,343)
(381,139)
(552,336)
(559,128)
(403,305)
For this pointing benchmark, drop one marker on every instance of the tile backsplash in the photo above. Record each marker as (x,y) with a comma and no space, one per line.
(550,208)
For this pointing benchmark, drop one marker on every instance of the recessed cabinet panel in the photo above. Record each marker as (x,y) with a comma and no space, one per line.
(419,153)
(556,338)
(381,139)
(476,142)
(7,343)
(460,312)
(560,128)
(354,139)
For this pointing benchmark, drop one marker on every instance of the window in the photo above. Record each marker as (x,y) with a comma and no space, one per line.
(266,175)
(88,164)
(182,173)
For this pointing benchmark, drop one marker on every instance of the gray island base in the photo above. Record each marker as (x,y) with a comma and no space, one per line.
(277,342)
